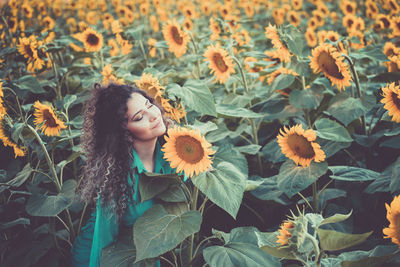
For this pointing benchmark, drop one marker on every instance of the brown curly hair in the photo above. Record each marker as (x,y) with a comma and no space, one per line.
(107,144)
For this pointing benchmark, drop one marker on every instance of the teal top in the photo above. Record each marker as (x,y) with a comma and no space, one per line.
(102,229)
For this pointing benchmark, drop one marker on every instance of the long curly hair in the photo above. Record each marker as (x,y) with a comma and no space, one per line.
(107,144)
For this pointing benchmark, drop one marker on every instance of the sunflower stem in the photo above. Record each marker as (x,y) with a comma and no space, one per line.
(315,196)
(47,156)
(316,248)
(196,51)
(255,138)
(194,207)
(143,52)
(242,74)
(357,82)
(53,65)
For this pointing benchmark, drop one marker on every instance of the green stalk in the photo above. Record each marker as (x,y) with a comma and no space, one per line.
(357,82)
(242,74)
(194,207)
(315,196)
(143,52)
(54,66)
(255,138)
(316,248)
(196,51)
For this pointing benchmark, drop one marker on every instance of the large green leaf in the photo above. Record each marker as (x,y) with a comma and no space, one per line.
(395,178)
(42,205)
(331,147)
(238,254)
(346,109)
(269,190)
(249,149)
(227,152)
(292,178)
(304,99)
(279,252)
(336,218)
(21,177)
(332,240)
(272,151)
(232,111)
(224,186)
(30,83)
(331,130)
(373,258)
(195,95)
(157,231)
(349,173)
(282,81)
(152,184)
(122,252)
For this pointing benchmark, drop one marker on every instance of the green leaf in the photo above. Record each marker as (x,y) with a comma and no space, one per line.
(232,111)
(42,205)
(395,179)
(386,77)
(272,151)
(373,53)
(336,218)
(303,99)
(268,190)
(393,142)
(349,173)
(30,83)
(249,149)
(227,152)
(21,177)
(23,221)
(68,100)
(157,232)
(279,252)
(373,258)
(346,109)
(331,130)
(122,252)
(152,184)
(204,128)
(332,240)
(16,131)
(195,95)
(174,193)
(238,254)
(282,81)
(224,186)
(293,179)
(331,148)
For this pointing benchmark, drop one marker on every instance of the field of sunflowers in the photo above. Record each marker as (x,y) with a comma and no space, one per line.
(292,109)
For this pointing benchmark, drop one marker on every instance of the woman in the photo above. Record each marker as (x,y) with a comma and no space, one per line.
(122,125)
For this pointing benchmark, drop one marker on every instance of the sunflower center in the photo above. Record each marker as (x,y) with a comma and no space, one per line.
(49,119)
(328,65)
(176,36)
(301,146)
(385,22)
(92,39)
(349,8)
(373,9)
(398,25)
(189,149)
(396,100)
(29,51)
(219,62)
(350,23)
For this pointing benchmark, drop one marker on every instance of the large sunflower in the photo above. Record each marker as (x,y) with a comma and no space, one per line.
(92,40)
(150,85)
(327,59)
(220,62)
(28,47)
(391,99)
(176,38)
(187,151)
(393,216)
(283,52)
(297,144)
(46,120)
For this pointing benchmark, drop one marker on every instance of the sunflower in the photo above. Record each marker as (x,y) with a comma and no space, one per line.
(241,37)
(5,136)
(311,38)
(48,23)
(297,144)
(395,25)
(293,18)
(249,9)
(108,75)
(385,20)
(284,233)
(372,8)
(215,29)
(326,58)
(144,8)
(187,151)
(27,10)
(28,47)
(312,24)
(177,113)
(394,64)
(348,7)
(391,99)
(152,47)
(12,24)
(323,9)
(393,216)
(176,38)
(46,120)
(221,63)
(297,4)
(150,85)
(279,15)
(332,36)
(360,37)
(348,21)
(390,49)
(319,16)
(92,40)
(154,23)
(189,11)
(114,51)
(205,8)
(283,52)
(188,24)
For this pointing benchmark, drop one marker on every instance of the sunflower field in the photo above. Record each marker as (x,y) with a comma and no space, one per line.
(289,109)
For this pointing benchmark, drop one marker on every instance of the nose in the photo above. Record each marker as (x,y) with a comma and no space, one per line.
(152,117)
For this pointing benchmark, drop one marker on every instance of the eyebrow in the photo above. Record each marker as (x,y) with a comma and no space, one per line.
(147,101)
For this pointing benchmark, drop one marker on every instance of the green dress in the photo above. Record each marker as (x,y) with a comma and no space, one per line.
(102,229)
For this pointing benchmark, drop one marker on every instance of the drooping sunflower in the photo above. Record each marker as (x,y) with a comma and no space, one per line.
(221,64)
(151,85)
(391,99)
(393,216)
(187,151)
(92,40)
(297,144)
(285,233)
(46,120)
(272,76)
(283,52)
(326,58)
(5,136)
(176,38)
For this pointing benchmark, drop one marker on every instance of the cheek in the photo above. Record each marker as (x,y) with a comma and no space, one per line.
(137,129)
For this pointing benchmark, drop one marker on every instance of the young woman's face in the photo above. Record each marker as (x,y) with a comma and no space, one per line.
(145,121)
